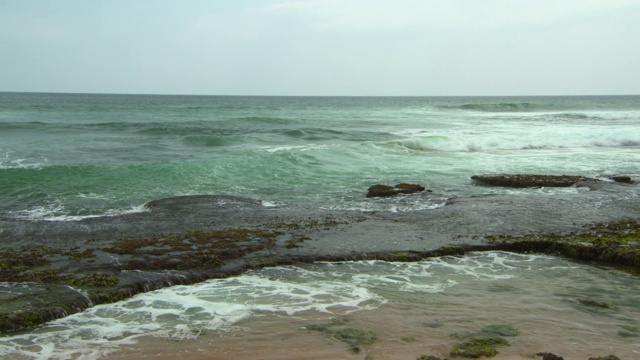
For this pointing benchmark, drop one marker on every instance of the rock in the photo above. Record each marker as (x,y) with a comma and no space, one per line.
(478,347)
(409,188)
(610,357)
(621,179)
(386,190)
(549,356)
(530,180)
(382,191)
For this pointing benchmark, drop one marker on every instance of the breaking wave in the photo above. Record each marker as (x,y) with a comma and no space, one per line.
(502,107)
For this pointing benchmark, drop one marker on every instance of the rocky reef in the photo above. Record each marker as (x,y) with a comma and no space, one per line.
(53,269)
(537,180)
(387,190)
(530,180)
(338,329)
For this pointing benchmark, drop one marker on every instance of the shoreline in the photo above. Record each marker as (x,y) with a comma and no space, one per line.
(72,266)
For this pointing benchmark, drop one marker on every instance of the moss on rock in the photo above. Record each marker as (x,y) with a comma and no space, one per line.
(616,243)
(530,180)
(484,342)
(353,337)
(476,348)
(96,280)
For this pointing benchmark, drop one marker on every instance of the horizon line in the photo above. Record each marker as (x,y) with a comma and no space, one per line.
(308,96)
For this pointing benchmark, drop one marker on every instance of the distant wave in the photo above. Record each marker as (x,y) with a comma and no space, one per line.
(447,144)
(210,140)
(266,120)
(502,107)
(576,116)
(6,126)
(314,134)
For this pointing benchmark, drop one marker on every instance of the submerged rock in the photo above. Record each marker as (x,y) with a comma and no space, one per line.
(382,191)
(549,356)
(530,180)
(479,347)
(622,179)
(353,337)
(386,190)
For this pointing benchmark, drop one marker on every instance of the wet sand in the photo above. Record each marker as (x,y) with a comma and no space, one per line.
(276,339)
(415,324)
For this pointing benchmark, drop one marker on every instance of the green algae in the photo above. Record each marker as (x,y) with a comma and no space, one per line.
(484,342)
(191,250)
(355,337)
(593,303)
(96,280)
(500,330)
(476,348)
(615,243)
(629,331)
(336,328)
(296,241)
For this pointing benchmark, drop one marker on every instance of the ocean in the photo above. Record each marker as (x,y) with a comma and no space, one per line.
(69,157)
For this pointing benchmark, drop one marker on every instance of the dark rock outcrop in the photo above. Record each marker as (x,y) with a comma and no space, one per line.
(386,190)
(531,180)
(549,356)
(622,179)
(56,268)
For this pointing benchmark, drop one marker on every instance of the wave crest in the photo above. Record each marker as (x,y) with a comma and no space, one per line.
(501,107)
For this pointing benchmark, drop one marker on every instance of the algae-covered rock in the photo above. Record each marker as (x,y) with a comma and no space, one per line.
(530,180)
(476,348)
(484,342)
(621,179)
(382,191)
(593,303)
(549,356)
(500,330)
(353,337)
(629,331)
(96,280)
(409,188)
(386,190)
(617,243)
(610,357)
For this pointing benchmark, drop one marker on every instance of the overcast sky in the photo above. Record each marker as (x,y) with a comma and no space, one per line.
(321,47)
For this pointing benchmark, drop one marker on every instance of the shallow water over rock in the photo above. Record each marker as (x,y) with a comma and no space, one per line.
(548,304)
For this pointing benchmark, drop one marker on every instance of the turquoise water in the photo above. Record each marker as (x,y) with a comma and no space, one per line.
(64,156)
(72,156)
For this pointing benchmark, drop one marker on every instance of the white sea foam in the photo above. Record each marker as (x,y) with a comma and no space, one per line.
(7,163)
(337,288)
(288,148)
(56,211)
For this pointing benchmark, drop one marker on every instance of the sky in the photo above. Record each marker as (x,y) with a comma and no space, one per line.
(321,47)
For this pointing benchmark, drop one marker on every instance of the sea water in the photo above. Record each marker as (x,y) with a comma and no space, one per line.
(413,308)
(66,157)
